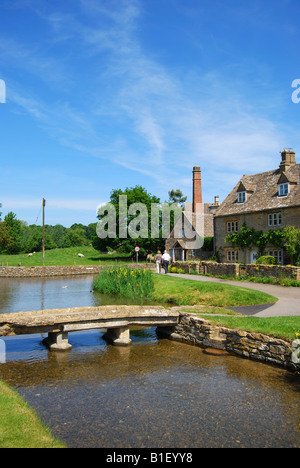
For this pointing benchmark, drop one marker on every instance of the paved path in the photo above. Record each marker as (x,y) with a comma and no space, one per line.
(287,305)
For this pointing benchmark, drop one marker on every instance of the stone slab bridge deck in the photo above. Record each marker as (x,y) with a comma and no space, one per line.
(59,322)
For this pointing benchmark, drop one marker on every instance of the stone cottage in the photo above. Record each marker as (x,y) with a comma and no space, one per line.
(194,224)
(269,200)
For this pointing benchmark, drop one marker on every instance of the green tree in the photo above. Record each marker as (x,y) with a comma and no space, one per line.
(131,210)
(292,243)
(176,196)
(74,237)
(35,242)
(5,241)
(14,227)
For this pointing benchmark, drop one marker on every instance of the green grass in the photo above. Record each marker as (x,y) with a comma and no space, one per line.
(181,291)
(67,256)
(279,327)
(204,309)
(19,425)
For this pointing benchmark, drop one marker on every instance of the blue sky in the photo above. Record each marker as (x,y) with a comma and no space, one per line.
(108,94)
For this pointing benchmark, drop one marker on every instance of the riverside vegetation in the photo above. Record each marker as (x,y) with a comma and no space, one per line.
(132,282)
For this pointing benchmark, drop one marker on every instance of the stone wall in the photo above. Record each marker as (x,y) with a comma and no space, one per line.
(64,270)
(198,331)
(277,271)
(236,269)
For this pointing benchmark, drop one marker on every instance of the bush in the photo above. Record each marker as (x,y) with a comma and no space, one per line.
(266,260)
(181,271)
(124,281)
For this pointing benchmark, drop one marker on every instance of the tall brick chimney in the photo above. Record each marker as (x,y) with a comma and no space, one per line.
(197,189)
(288,159)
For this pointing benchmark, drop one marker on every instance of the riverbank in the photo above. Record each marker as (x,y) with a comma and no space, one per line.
(56,270)
(20,427)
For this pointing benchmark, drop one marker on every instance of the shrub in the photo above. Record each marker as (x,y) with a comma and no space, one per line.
(266,260)
(125,281)
(181,271)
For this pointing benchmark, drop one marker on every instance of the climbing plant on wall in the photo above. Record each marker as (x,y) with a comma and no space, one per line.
(249,237)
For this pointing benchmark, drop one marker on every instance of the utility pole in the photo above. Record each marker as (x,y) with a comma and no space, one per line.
(43,245)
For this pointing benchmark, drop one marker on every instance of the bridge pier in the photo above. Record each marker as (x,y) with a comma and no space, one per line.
(57,341)
(118,336)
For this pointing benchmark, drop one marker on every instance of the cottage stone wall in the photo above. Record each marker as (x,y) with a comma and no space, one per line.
(253,219)
(198,331)
(236,269)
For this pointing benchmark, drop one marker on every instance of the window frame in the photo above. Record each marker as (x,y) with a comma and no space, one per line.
(283,189)
(232,226)
(277,254)
(242,197)
(275,219)
(232,255)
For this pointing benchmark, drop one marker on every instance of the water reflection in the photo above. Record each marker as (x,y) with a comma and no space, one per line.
(155,393)
(17,295)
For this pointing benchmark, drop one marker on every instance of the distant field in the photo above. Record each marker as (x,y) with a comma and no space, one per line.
(67,256)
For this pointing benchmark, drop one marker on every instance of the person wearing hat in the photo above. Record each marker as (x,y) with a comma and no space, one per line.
(158,261)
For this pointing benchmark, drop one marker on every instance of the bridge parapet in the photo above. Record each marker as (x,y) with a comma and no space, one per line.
(59,322)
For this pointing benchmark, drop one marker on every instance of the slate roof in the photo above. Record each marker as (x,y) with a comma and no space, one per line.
(262,192)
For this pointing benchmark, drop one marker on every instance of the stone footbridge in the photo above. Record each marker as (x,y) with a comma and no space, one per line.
(59,322)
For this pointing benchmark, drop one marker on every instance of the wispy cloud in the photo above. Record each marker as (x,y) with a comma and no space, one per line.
(129,107)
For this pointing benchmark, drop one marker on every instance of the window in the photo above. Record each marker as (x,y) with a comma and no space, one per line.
(274,219)
(241,197)
(277,254)
(283,189)
(232,226)
(232,255)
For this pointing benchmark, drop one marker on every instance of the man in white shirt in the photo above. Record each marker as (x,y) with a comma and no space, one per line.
(166,260)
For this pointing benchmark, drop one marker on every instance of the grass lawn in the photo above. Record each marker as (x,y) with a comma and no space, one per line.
(67,256)
(19,425)
(279,327)
(180,291)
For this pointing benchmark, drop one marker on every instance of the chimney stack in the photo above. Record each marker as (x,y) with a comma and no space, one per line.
(197,189)
(288,159)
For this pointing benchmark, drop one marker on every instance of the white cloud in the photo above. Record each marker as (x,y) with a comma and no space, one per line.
(153,121)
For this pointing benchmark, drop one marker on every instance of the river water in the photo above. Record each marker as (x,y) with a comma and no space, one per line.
(154,394)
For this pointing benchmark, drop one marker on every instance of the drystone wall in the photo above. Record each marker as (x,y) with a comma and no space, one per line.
(236,269)
(198,331)
(64,270)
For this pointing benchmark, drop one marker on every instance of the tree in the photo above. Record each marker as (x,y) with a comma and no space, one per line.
(176,196)
(14,227)
(5,241)
(35,242)
(74,237)
(126,221)
(292,243)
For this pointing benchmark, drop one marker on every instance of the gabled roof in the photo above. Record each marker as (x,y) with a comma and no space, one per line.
(264,195)
(245,186)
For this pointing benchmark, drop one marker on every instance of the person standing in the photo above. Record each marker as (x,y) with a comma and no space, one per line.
(158,261)
(166,261)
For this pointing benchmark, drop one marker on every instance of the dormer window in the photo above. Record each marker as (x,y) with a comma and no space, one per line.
(241,197)
(283,189)
(244,190)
